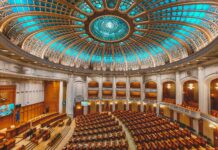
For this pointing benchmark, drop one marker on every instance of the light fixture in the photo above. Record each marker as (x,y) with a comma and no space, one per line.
(191,86)
(162,106)
(168,86)
(211,125)
(216,87)
(3,99)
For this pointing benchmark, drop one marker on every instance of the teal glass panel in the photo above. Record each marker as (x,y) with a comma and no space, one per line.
(109,28)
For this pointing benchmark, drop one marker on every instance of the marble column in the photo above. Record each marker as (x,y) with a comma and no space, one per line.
(179,89)
(127,88)
(70,96)
(100,88)
(203,103)
(159,93)
(114,88)
(61,96)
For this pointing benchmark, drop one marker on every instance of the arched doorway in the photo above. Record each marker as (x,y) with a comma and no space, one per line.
(190,95)
(214,97)
(169,92)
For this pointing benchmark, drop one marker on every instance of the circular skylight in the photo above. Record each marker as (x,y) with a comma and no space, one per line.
(109,28)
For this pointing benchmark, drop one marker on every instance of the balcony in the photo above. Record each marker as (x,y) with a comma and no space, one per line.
(135,98)
(209,117)
(135,89)
(147,90)
(150,101)
(190,113)
(93,97)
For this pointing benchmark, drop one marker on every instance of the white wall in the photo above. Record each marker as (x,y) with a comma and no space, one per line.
(27,91)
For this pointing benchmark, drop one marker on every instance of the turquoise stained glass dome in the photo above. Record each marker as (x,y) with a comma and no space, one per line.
(112,35)
(109,28)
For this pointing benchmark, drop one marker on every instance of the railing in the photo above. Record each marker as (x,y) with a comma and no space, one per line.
(150,101)
(93,88)
(107,97)
(191,113)
(135,89)
(121,98)
(93,98)
(107,87)
(120,88)
(134,99)
(150,90)
(209,117)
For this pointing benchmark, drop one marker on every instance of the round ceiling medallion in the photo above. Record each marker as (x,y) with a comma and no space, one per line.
(109,28)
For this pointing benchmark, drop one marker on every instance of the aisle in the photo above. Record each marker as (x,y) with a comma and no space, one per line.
(132,145)
(67,137)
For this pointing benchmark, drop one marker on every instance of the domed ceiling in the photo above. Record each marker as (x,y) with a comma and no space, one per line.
(114,35)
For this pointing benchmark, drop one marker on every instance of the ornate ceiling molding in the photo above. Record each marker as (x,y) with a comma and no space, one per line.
(159,32)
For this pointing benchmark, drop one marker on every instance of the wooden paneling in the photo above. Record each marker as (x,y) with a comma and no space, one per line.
(121,85)
(52,89)
(184,119)
(151,85)
(120,105)
(31,111)
(106,106)
(214,94)
(93,107)
(107,84)
(9,93)
(135,85)
(215,137)
(26,112)
(134,106)
(93,84)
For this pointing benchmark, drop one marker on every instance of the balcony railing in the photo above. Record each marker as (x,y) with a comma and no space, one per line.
(121,97)
(191,113)
(135,89)
(93,97)
(150,101)
(107,97)
(151,90)
(209,117)
(93,88)
(135,98)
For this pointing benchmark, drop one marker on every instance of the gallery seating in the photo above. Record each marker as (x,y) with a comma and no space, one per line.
(97,131)
(169,100)
(190,107)
(152,132)
(214,113)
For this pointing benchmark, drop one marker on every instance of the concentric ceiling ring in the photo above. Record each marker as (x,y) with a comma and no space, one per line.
(158,33)
(109,28)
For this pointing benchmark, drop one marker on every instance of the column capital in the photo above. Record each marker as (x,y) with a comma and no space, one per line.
(200,68)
